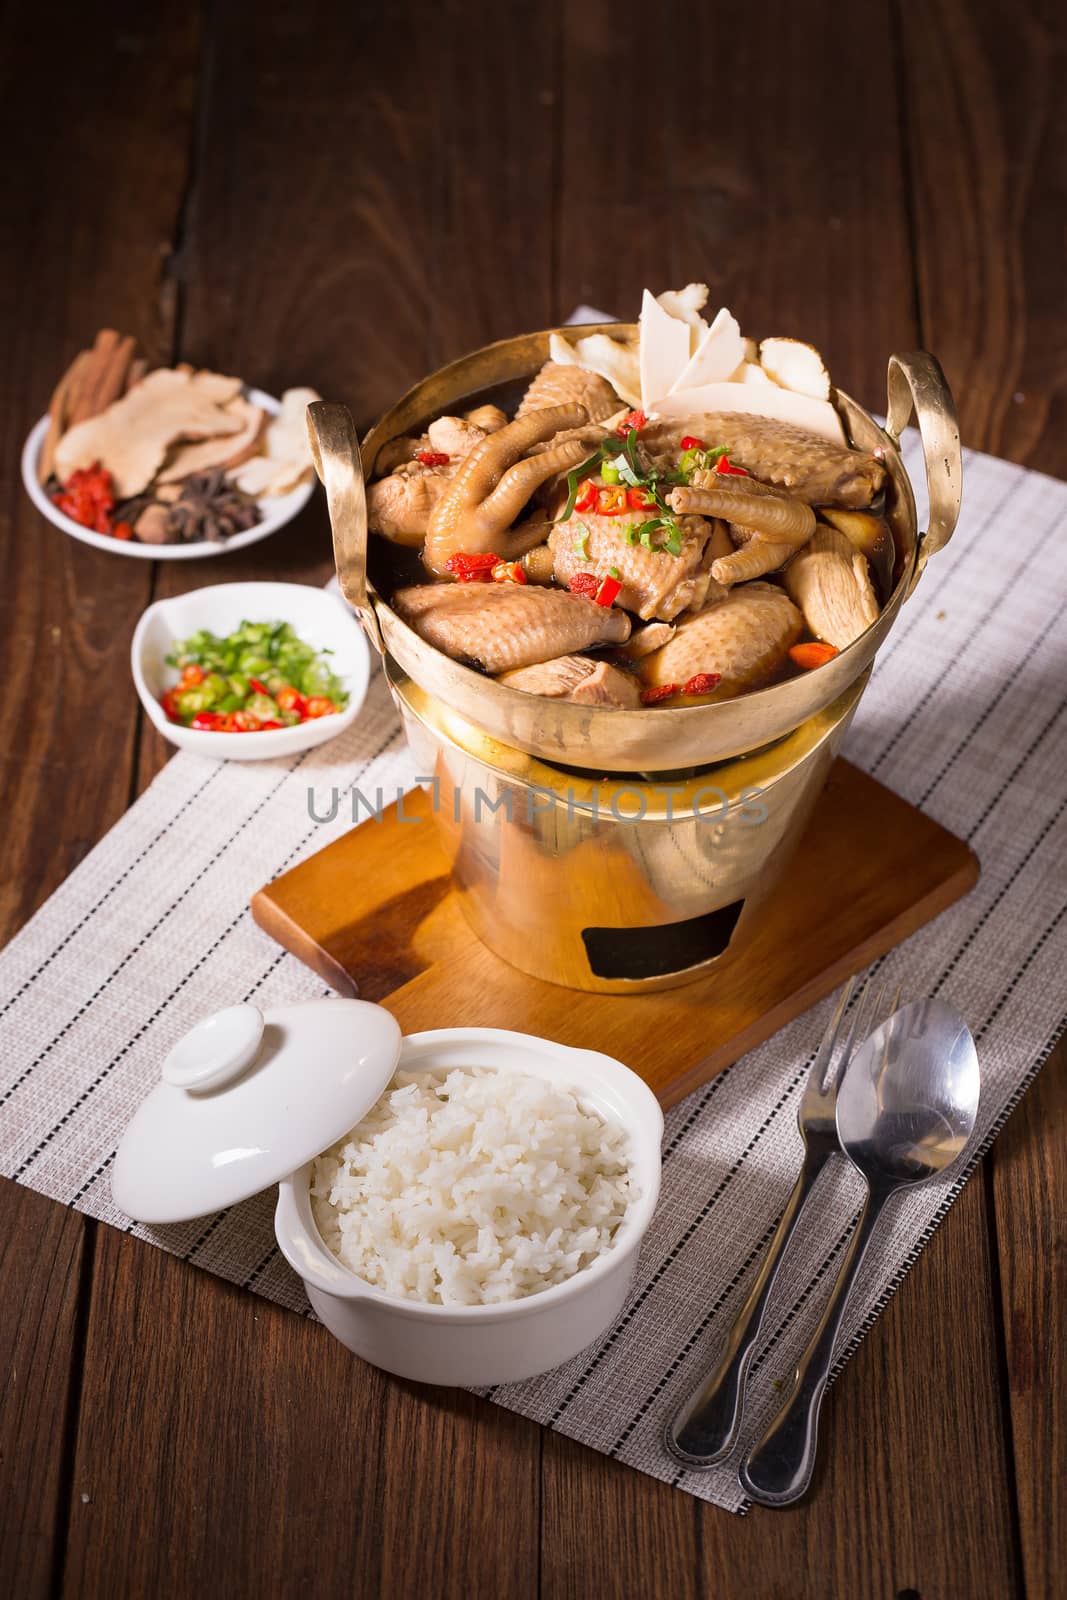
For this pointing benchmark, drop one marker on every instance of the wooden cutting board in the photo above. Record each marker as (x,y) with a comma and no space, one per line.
(374,914)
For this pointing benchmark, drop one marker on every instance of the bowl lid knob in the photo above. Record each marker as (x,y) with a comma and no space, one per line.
(217,1050)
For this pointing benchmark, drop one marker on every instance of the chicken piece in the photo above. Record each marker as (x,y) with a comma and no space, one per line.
(651,637)
(508,625)
(753,556)
(539,564)
(489,418)
(493,484)
(812,469)
(579,679)
(831,583)
(455,436)
(778,517)
(744,638)
(769,526)
(399,507)
(654,583)
(131,437)
(397,452)
(873,537)
(557,385)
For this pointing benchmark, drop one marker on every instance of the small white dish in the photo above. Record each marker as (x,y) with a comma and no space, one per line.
(320,619)
(276,510)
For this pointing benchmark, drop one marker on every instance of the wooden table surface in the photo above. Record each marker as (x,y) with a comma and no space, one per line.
(347,195)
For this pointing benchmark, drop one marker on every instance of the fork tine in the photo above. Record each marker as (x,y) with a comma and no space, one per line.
(867,1005)
(824,1054)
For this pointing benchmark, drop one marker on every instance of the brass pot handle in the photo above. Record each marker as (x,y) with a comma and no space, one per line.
(335,450)
(917,382)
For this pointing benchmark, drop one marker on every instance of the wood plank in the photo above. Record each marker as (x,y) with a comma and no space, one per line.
(225,1444)
(41,1252)
(374,911)
(780,182)
(894,1511)
(346,244)
(1030,1192)
(988,159)
(96,188)
(104,194)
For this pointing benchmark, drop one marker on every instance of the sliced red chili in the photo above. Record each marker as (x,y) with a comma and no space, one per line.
(586,497)
(433,458)
(652,697)
(508,572)
(472,566)
(702,683)
(611,500)
(318,705)
(122,530)
(208,721)
(633,422)
(260,688)
(607,591)
(639,499)
(726,466)
(585,583)
(689,442)
(290,699)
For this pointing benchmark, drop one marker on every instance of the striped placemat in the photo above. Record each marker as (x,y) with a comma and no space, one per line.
(964,716)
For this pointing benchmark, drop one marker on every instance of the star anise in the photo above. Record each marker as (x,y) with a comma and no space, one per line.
(210,507)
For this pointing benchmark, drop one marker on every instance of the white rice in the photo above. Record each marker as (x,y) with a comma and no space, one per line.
(471,1187)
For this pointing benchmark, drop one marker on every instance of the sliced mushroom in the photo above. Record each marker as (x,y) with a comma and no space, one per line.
(795,366)
(831,583)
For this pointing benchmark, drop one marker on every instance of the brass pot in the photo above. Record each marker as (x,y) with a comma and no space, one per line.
(618,884)
(654,740)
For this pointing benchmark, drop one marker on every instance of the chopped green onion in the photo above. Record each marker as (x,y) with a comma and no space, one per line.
(609,472)
(646,537)
(673,542)
(613,572)
(581,540)
(630,533)
(585,470)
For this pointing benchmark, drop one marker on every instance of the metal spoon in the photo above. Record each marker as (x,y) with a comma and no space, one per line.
(905,1111)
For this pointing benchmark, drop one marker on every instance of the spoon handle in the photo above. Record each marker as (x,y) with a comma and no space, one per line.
(703,1430)
(778,1469)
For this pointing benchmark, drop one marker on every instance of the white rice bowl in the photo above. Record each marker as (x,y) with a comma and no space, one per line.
(473,1187)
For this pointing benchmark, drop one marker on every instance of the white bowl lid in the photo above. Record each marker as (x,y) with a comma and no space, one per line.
(246,1098)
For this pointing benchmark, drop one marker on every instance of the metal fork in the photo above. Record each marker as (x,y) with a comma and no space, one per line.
(703,1430)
